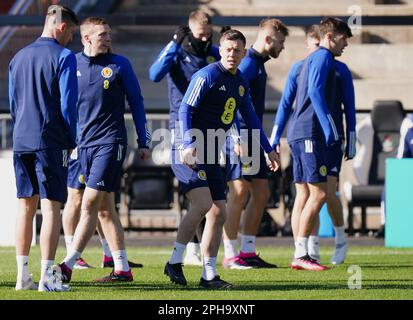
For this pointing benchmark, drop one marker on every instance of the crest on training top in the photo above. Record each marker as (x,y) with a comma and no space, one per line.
(241,90)
(107,72)
(210,59)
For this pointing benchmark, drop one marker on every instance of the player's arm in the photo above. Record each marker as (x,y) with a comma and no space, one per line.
(166,58)
(249,69)
(406,151)
(403,150)
(317,77)
(349,111)
(198,87)
(285,106)
(134,97)
(251,119)
(11,89)
(68,91)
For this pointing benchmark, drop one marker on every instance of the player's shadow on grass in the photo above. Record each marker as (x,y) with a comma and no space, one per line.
(193,286)
(378,286)
(384,266)
(8,284)
(285,285)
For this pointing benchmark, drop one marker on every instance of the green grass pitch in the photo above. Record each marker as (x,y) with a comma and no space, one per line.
(385,274)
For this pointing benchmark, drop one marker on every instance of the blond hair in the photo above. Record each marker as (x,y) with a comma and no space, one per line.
(200,17)
(274,24)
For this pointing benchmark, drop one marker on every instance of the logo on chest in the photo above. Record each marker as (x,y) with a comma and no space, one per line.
(107,72)
(228,115)
(210,59)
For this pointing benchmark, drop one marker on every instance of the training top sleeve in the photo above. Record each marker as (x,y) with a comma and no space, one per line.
(405,128)
(215,53)
(11,100)
(198,87)
(407,150)
(249,69)
(164,62)
(247,112)
(317,77)
(347,89)
(134,97)
(68,91)
(286,104)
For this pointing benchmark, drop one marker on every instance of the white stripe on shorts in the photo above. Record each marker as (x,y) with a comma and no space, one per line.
(120,149)
(308,146)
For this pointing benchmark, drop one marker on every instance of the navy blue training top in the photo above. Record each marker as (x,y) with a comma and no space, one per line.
(408,144)
(42,96)
(316,95)
(344,98)
(104,82)
(252,67)
(213,97)
(179,65)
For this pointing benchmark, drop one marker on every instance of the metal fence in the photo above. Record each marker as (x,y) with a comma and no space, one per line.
(155,121)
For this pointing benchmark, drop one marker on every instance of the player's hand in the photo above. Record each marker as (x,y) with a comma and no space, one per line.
(277,148)
(225,28)
(189,157)
(180,33)
(274,159)
(144,153)
(240,149)
(73,153)
(237,149)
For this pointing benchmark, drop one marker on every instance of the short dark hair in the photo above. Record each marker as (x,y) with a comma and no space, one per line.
(234,35)
(275,24)
(66,13)
(313,31)
(334,25)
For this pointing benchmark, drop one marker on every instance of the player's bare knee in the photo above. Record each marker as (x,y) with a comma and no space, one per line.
(218,215)
(320,196)
(104,215)
(241,192)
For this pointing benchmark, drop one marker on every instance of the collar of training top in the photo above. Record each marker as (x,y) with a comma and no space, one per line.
(95,58)
(324,48)
(47,39)
(255,54)
(222,68)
